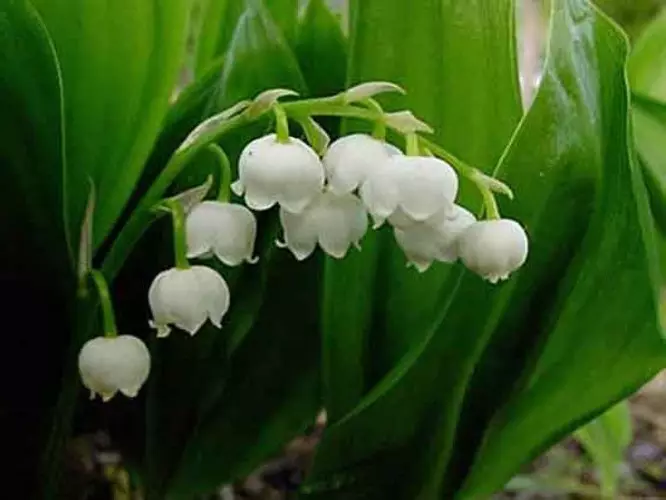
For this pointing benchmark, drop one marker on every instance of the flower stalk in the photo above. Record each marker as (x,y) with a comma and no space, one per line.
(108,316)
(224,191)
(179,235)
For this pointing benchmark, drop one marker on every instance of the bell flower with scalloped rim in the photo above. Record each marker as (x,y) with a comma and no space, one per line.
(436,239)
(108,365)
(290,174)
(350,159)
(409,188)
(494,248)
(225,230)
(334,222)
(186,298)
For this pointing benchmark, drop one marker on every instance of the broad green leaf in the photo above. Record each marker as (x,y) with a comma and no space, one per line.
(647,71)
(606,439)
(649,118)
(120,60)
(272,390)
(198,397)
(423,423)
(36,270)
(390,307)
(600,342)
(320,38)
(259,59)
(219,19)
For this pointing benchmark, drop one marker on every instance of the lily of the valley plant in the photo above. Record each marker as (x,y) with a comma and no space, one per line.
(325,203)
(365,221)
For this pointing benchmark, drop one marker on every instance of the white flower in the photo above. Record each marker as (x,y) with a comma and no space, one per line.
(349,159)
(494,248)
(186,298)
(224,229)
(418,186)
(434,239)
(270,172)
(111,364)
(335,222)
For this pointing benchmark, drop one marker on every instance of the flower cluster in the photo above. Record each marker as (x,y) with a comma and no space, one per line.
(325,200)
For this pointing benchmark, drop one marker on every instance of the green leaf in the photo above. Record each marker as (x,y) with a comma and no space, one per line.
(649,118)
(259,58)
(220,17)
(504,367)
(32,148)
(36,268)
(600,342)
(222,386)
(606,439)
(647,72)
(272,388)
(390,307)
(319,39)
(120,60)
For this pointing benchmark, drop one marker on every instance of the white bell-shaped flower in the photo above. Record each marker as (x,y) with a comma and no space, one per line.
(334,222)
(108,365)
(225,230)
(436,239)
(271,172)
(494,248)
(186,298)
(349,159)
(416,186)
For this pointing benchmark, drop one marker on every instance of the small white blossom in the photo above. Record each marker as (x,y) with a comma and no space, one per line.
(271,172)
(494,248)
(350,159)
(436,239)
(335,222)
(108,365)
(418,186)
(222,229)
(186,298)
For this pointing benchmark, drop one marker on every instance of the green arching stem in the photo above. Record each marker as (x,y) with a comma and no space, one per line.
(325,106)
(412,145)
(224,191)
(281,124)
(108,316)
(462,167)
(142,215)
(179,237)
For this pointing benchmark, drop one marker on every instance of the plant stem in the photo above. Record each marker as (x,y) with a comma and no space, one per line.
(179,237)
(142,215)
(325,106)
(108,316)
(379,129)
(224,191)
(412,145)
(281,124)
(489,202)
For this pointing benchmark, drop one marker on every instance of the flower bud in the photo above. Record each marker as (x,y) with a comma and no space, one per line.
(186,298)
(226,230)
(419,186)
(111,364)
(349,160)
(436,239)
(335,222)
(494,248)
(271,172)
